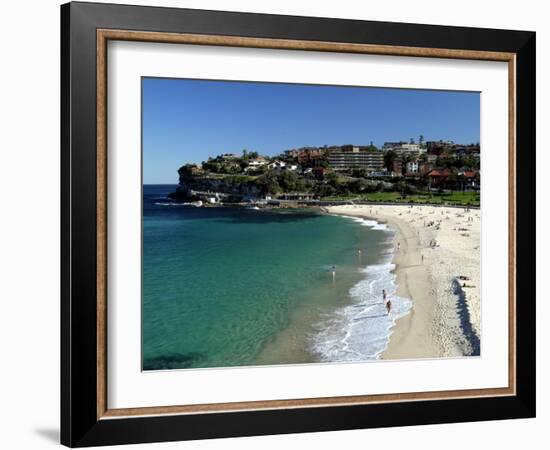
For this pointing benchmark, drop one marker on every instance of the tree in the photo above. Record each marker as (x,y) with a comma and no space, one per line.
(287,180)
(325,190)
(359,173)
(399,186)
(268,183)
(322,162)
(452,180)
(332,179)
(300,185)
(211,166)
(249,155)
(357,186)
(257,170)
(471,162)
(231,168)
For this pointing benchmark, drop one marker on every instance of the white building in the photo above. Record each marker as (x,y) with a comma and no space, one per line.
(409,149)
(277,164)
(255,163)
(403,149)
(412,167)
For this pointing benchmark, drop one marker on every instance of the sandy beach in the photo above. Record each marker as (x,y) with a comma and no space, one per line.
(437,259)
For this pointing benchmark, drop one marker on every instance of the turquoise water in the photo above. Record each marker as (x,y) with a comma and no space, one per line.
(231,287)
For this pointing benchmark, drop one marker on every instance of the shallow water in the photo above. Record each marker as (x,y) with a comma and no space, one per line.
(231,287)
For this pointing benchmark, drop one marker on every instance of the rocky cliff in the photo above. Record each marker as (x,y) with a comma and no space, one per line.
(195,186)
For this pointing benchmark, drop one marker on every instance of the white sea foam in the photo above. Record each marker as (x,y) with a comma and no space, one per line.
(172,204)
(366,222)
(361,331)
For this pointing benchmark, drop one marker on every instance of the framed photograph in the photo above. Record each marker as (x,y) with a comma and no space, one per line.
(277,224)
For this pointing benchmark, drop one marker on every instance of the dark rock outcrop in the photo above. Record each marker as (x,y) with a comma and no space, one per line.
(194,184)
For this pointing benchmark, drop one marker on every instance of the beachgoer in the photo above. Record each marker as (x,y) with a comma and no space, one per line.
(384,295)
(422,259)
(388,306)
(398,246)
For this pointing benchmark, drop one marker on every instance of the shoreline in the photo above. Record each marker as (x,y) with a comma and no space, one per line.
(433,327)
(303,341)
(409,338)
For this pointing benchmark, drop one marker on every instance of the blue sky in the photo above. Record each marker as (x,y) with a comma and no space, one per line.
(190,120)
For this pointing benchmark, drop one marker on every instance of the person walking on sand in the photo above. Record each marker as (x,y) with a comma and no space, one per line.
(387,302)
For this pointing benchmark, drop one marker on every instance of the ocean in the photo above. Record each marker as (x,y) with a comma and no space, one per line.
(225,287)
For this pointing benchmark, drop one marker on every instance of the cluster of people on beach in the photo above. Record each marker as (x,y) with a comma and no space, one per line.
(433,223)
(432,243)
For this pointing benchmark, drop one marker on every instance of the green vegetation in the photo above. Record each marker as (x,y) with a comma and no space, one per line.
(441,179)
(277,182)
(453,198)
(457,163)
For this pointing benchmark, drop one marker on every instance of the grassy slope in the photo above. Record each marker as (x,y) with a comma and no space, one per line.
(460,198)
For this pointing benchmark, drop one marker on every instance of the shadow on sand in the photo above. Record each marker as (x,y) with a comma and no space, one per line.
(465,323)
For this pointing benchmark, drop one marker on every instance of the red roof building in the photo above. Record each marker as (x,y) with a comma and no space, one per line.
(438,176)
(469,174)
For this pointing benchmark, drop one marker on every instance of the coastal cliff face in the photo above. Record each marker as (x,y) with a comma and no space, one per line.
(194,186)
